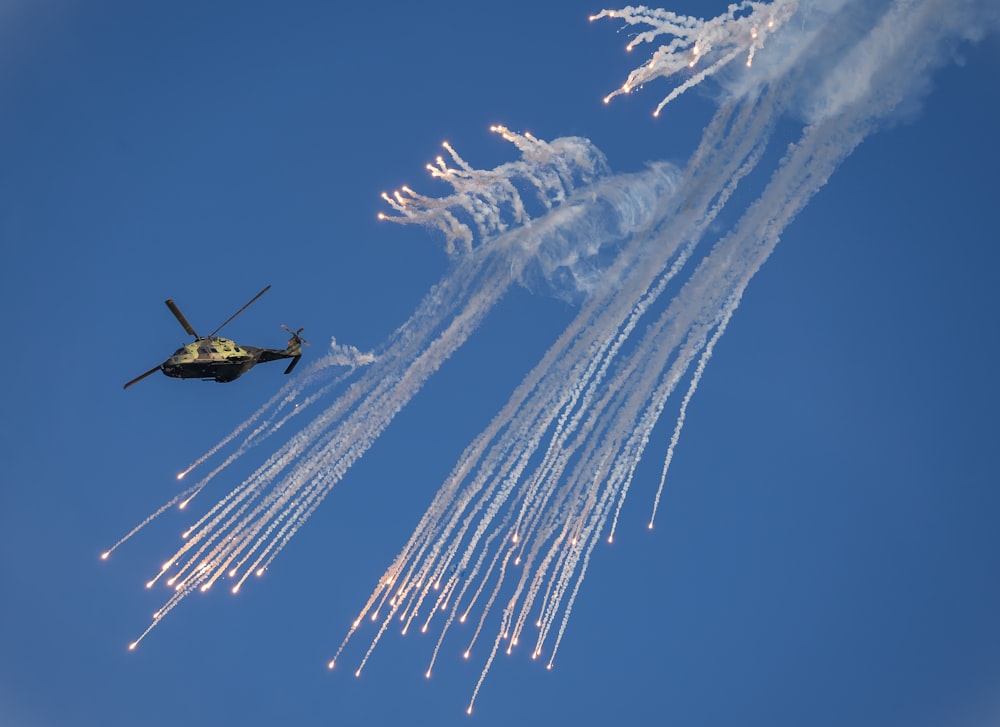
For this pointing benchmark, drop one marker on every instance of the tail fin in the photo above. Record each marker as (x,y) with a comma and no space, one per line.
(294,348)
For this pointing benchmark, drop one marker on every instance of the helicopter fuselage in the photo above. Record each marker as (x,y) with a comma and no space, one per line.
(220,359)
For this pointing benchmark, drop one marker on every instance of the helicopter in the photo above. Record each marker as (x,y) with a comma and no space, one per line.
(213,358)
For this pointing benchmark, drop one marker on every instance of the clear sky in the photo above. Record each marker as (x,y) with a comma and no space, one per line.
(825,550)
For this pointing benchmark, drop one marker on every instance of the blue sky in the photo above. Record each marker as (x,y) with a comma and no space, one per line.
(825,552)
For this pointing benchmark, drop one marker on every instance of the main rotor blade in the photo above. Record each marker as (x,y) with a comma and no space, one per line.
(142,376)
(291,366)
(228,320)
(180,317)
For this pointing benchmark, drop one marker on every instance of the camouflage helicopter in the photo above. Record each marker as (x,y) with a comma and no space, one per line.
(215,358)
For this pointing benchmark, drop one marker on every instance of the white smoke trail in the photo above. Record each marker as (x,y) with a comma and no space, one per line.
(742,29)
(546,475)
